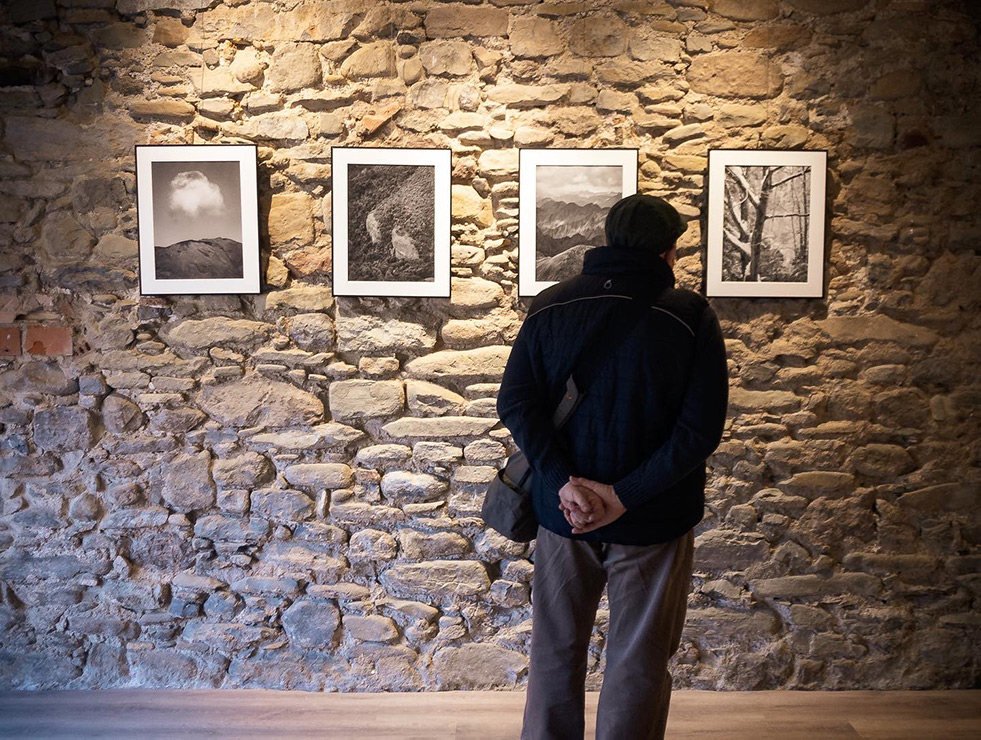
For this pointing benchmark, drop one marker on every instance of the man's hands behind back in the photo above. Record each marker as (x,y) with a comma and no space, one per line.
(589,505)
(580,505)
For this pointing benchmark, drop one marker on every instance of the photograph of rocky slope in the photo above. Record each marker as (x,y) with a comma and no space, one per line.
(391,216)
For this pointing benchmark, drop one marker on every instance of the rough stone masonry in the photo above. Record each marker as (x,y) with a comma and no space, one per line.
(283,490)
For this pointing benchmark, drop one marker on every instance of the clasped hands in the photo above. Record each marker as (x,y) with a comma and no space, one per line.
(588,505)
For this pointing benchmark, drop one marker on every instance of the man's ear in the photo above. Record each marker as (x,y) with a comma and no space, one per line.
(671,255)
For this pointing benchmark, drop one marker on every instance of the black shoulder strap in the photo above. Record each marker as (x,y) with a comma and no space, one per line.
(598,349)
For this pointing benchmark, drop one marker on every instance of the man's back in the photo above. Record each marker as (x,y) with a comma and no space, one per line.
(672,359)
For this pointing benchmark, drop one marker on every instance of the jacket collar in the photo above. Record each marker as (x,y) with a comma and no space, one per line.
(613,261)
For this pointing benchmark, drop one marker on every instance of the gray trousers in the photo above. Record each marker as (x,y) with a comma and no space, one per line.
(647,587)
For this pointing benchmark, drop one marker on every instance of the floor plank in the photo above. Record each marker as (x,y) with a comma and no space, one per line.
(478,715)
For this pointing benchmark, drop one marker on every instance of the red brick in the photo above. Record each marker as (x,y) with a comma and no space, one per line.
(9,341)
(48,340)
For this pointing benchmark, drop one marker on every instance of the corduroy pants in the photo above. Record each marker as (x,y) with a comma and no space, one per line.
(647,587)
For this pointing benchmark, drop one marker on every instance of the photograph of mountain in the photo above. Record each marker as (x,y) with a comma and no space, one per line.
(198,219)
(572,203)
(200,258)
(564,197)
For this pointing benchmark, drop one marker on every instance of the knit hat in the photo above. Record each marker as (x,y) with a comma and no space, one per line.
(643,222)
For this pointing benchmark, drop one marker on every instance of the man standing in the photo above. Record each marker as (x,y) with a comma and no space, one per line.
(619,489)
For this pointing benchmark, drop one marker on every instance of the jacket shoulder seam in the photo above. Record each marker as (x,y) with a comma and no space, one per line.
(613,295)
(676,318)
(576,300)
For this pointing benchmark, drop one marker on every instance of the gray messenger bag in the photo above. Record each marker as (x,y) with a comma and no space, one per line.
(507,505)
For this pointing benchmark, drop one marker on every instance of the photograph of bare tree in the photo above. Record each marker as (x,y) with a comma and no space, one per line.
(391,221)
(766,223)
(765,227)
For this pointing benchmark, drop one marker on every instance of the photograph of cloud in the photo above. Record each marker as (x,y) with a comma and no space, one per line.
(197,220)
(196,200)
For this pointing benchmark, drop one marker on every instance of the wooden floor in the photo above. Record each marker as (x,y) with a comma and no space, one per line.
(480,715)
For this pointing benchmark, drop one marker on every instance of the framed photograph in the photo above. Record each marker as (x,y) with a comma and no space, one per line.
(766,223)
(391,221)
(563,198)
(198,219)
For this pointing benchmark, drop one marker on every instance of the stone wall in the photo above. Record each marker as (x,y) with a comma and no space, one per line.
(283,490)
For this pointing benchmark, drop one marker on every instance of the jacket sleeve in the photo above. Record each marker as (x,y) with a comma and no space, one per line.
(522,404)
(698,429)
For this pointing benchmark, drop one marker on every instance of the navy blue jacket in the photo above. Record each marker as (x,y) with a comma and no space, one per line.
(651,417)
